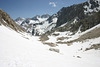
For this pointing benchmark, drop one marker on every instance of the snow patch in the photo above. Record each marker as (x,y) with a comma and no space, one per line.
(88,8)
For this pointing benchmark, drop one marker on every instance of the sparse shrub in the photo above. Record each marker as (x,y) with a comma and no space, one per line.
(94,46)
(50,44)
(44,37)
(55,50)
(55,34)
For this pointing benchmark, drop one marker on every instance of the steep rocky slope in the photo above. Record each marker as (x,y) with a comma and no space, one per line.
(83,24)
(75,15)
(7,21)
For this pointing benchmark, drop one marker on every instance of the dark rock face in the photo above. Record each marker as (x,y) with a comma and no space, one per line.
(68,13)
(87,23)
(7,21)
(83,24)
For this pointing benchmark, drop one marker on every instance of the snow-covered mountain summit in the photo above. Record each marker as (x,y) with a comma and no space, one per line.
(19,20)
(35,19)
(39,24)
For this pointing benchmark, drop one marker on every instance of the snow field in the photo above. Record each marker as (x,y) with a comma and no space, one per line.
(16,51)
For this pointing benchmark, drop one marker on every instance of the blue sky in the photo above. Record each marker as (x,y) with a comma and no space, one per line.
(30,8)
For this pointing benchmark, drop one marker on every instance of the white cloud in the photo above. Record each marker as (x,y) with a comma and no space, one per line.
(53,4)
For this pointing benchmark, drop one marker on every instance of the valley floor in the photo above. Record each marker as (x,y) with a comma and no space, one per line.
(18,50)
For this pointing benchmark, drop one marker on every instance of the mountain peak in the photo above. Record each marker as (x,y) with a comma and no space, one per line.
(19,18)
(45,16)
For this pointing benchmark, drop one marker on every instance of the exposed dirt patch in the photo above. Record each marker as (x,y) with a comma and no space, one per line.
(89,35)
(62,38)
(55,50)
(59,42)
(55,34)
(92,34)
(94,46)
(44,37)
(50,44)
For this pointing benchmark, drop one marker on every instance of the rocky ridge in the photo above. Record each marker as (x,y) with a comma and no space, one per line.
(6,20)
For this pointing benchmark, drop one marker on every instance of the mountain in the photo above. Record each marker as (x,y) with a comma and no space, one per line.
(32,24)
(68,19)
(78,11)
(76,17)
(72,22)
(67,23)
(83,24)
(84,33)
(45,25)
(75,13)
(9,22)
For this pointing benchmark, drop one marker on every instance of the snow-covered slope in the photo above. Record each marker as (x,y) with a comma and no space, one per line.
(25,51)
